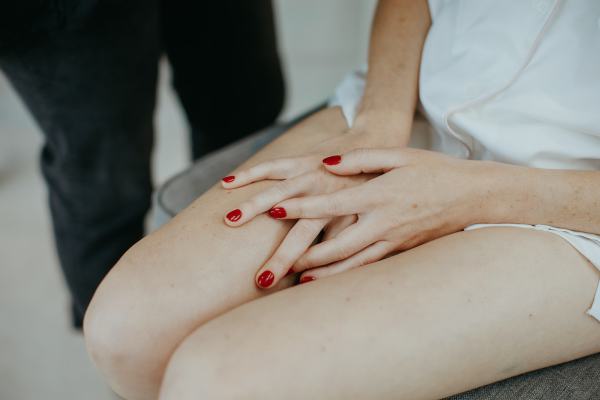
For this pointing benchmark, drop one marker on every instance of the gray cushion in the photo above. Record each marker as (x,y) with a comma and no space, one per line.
(576,380)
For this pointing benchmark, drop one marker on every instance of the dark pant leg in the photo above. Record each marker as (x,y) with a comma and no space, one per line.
(226,67)
(91,87)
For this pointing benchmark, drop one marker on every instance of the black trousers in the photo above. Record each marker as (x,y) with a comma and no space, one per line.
(87,71)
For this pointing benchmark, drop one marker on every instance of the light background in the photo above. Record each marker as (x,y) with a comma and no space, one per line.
(40,357)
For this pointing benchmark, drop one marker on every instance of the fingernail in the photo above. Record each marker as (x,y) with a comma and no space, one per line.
(229,178)
(265,279)
(332,160)
(277,212)
(307,278)
(234,215)
(290,272)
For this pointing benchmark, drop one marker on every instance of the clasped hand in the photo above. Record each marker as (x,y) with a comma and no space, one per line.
(370,203)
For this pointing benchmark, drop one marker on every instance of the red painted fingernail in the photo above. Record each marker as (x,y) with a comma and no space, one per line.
(332,160)
(265,279)
(290,271)
(278,212)
(234,215)
(229,178)
(307,278)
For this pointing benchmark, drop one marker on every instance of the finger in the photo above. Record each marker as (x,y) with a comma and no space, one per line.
(298,239)
(337,225)
(354,200)
(263,201)
(370,254)
(346,244)
(368,161)
(283,168)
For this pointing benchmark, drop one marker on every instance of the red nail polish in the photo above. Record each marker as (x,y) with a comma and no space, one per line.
(234,215)
(290,272)
(277,212)
(265,279)
(307,278)
(332,160)
(229,178)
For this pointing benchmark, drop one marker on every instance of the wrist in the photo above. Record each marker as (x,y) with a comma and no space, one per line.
(383,129)
(504,192)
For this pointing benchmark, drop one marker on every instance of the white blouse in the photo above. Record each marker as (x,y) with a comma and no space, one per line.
(516,81)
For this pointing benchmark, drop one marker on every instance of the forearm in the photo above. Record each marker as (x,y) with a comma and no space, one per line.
(391,92)
(561,198)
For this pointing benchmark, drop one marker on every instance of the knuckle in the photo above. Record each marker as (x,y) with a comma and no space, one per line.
(268,166)
(289,164)
(279,259)
(251,205)
(300,266)
(308,178)
(300,208)
(303,263)
(343,252)
(253,171)
(280,190)
(307,229)
(361,154)
(334,206)
(264,169)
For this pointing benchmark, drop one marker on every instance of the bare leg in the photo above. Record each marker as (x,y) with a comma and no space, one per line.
(456,313)
(186,273)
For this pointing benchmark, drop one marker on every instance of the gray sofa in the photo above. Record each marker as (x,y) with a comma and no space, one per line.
(576,380)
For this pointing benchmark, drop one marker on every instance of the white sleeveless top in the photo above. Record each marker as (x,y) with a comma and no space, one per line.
(514,81)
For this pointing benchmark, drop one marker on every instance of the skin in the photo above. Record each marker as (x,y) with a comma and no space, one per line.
(456,313)
(159,292)
(184,274)
(416,196)
(185,296)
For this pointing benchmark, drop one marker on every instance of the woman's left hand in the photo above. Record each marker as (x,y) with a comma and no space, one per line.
(419,196)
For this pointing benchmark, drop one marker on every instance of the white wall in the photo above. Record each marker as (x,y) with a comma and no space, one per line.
(320,41)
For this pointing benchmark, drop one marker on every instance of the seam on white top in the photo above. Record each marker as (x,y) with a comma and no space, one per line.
(482,99)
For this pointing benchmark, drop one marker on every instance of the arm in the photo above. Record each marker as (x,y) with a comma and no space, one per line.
(385,115)
(391,92)
(562,198)
(422,195)
(384,119)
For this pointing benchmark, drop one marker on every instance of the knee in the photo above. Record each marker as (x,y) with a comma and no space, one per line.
(121,341)
(206,370)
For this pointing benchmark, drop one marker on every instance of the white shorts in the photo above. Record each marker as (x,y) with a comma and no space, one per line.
(347,96)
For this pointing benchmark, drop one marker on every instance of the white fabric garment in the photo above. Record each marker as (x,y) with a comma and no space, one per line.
(515,81)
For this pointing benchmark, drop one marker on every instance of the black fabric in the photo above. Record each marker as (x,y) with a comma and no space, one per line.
(87,71)
(235,87)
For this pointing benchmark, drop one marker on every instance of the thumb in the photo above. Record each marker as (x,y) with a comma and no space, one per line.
(367,161)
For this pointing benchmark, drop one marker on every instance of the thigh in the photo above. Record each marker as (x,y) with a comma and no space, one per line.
(189,271)
(456,313)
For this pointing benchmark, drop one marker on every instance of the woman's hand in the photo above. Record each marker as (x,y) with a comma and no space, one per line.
(305,231)
(420,196)
(357,137)
(301,176)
